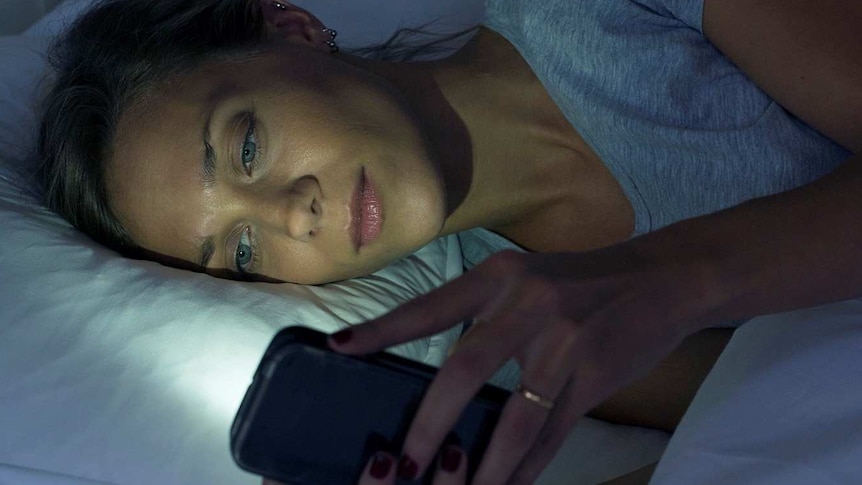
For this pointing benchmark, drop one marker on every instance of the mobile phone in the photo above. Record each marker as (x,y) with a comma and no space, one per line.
(313,416)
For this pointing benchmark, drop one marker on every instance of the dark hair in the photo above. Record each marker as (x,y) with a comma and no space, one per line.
(112,56)
(414,43)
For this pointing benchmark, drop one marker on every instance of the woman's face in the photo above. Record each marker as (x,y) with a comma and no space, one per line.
(292,165)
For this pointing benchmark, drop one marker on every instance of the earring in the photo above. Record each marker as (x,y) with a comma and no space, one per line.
(333,47)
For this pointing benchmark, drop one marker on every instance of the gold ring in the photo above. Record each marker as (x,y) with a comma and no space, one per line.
(534,397)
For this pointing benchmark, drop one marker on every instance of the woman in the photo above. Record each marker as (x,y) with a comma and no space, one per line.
(658,188)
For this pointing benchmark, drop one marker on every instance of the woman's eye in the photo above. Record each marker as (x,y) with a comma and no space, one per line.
(249,148)
(244,252)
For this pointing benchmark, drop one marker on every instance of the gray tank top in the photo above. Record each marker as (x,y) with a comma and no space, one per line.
(682,129)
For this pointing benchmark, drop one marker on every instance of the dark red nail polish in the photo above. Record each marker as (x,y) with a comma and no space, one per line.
(343,336)
(451,460)
(407,468)
(381,466)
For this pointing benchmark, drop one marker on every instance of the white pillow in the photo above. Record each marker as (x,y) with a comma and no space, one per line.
(15,15)
(130,372)
(127,371)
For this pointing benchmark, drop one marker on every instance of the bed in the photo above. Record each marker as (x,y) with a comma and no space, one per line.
(127,372)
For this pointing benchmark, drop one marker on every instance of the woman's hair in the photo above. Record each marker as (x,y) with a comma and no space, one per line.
(116,54)
(414,43)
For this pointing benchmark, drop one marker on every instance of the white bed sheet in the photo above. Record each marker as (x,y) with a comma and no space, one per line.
(783,406)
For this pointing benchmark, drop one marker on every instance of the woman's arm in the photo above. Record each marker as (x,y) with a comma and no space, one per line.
(802,247)
(793,250)
(806,55)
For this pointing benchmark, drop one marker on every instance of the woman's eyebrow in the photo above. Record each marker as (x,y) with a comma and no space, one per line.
(210,162)
(206,246)
(210,159)
(206,251)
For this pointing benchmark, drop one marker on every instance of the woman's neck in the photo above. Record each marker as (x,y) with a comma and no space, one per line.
(504,148)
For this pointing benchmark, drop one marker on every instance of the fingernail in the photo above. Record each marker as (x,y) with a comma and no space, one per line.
(343,336)
(381,466)
(407,468)
(451,460)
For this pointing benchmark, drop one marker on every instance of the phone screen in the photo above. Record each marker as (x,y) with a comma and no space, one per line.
(313,416)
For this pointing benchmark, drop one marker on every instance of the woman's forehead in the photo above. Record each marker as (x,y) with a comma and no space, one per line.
(159,128)
(154,175)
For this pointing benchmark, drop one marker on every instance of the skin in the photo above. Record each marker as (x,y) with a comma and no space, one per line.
(318,124)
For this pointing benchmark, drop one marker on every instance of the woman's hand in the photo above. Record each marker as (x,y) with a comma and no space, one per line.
(380,469)
(581,326)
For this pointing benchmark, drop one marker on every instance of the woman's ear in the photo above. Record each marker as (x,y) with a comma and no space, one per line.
(294,24)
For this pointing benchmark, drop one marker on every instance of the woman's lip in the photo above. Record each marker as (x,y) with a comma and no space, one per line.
(366,215)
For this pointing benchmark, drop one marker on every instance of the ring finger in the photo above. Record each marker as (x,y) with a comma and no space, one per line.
(527,410)
(519,426)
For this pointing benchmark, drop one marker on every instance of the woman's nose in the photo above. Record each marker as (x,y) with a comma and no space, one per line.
(302,218)
(296,211)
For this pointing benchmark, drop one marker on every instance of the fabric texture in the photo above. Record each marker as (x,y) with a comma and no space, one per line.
(667,113)
(684,132)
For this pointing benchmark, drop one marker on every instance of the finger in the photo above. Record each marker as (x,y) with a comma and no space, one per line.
(518,430)
(426,315)
(546,370)
(380,470)
(464,337)
(557,428)
(486,349)
(589,383)
(451,467)
(453,387)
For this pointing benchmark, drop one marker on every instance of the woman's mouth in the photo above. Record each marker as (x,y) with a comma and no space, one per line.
(366,214)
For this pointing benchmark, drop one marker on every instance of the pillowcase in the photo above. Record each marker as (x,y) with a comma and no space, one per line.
(128,371)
